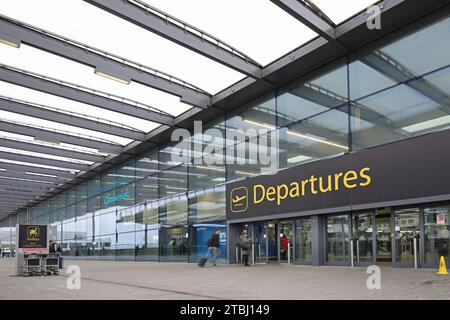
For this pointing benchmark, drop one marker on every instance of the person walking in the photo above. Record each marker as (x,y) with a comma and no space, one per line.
(244,245)
(213,249)
(214,246)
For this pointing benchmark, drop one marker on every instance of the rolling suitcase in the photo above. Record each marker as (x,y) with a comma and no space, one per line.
(202,261)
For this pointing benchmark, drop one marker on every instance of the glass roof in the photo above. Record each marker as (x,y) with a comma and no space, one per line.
(260,29)
(22,93)
(339,11)
(36,122)
(50,65)
(90,25)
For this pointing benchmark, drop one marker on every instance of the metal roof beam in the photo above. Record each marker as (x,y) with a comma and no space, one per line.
(65,90)
(53,136)
(18,182)
(10,190)
(179,32)
(33,147)
(44,161)
(21,168)
(308,17)
(24,186)
(18,198)
(105,62)
(27,109)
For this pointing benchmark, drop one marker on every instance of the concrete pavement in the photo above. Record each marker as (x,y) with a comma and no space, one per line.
(149,280)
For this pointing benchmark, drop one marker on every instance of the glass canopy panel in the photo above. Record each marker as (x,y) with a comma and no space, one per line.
(422,51)
(364,80)
(47,64)
(90,25)
(248,26)
(398,113)
(341,10)
(71,130)
(21,93)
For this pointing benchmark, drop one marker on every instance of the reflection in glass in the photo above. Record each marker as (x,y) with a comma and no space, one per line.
(406,229)
(173,234)
(317,137)
(147,244)
(383,237)
(303,245)
(437,234)
(362,237)
(261,242)
(337,238)
(125,246)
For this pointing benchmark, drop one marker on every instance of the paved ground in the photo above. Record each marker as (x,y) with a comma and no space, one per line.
(147,280)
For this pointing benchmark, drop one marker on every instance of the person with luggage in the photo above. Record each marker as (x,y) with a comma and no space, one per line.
(213,249)
(244,244)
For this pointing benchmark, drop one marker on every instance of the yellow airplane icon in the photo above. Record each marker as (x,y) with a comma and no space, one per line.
(238,199)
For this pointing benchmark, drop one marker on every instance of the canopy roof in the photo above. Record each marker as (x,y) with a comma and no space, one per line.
(83,81)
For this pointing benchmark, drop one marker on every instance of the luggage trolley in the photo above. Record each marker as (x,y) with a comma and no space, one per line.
(52,265)
(32,266)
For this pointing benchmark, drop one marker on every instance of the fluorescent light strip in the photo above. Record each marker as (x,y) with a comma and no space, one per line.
(317,140)
(297,159)
(176,188)
(260,124)
(246,173)
(108,76)
(41,174)
(445,120)
(299,135)
(211,168)
(10,43)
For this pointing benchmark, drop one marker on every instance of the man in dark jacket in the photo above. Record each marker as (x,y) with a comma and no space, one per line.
(214,245)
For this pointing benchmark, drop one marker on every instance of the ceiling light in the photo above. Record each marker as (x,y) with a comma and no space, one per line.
(210,168)
(41,174)
(245,173)
(317,140)
(260,124)
(111,77)
(298,159)
(437,122)
(48,142)
(9,41)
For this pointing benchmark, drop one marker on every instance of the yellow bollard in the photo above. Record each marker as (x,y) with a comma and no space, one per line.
(442,267)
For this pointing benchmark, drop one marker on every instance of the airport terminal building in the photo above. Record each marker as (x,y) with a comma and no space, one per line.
(356,125)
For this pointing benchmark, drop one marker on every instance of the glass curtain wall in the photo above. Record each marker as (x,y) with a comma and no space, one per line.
(165,202)
(437,234)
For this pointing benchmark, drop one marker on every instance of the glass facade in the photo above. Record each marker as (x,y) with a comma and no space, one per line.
(162,207)
(437,233)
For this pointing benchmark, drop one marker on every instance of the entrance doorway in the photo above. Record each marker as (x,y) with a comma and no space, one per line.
(383,239)
(285,242)
(406,244)
(273,241)
(363,236)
